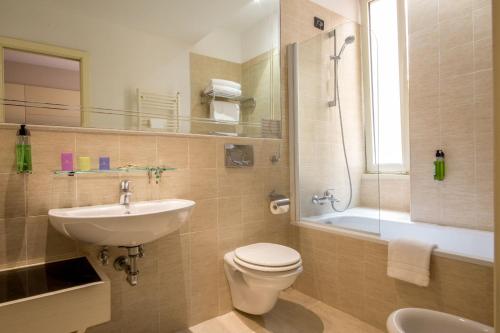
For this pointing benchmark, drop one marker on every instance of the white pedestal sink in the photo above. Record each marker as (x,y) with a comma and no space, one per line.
(120,225)
(125,225)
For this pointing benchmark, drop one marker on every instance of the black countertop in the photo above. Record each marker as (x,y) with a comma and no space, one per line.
(45,278)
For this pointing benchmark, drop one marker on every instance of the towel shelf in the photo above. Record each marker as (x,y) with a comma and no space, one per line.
(245,102)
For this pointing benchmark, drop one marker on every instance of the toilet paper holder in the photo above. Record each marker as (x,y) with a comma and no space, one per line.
(278,200)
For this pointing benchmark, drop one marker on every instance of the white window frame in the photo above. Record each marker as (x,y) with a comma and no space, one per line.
(371,166)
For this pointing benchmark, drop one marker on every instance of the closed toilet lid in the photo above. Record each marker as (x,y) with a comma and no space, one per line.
(267,255)
(271,269)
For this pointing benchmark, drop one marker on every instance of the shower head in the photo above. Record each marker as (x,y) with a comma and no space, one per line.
(349,40)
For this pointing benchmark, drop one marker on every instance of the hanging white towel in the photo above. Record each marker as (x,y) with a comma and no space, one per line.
(225,83)
(409,260)
(225,111)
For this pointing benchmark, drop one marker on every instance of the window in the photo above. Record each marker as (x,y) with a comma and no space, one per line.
(386,89)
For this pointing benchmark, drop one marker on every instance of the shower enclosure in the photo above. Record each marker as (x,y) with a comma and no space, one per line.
(329,128)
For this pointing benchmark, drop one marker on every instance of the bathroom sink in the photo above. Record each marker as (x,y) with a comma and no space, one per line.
(122,225)
(414,320)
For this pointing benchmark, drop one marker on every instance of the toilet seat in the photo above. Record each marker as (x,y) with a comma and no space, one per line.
(266,257)
(267,268)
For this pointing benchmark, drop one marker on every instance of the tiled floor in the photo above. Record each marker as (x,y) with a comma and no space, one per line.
(294,313)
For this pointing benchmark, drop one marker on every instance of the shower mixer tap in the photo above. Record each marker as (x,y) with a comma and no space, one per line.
(327,197)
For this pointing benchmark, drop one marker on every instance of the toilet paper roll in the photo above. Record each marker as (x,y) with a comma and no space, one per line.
(280,206)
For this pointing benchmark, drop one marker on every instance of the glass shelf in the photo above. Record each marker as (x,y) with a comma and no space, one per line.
(115,170)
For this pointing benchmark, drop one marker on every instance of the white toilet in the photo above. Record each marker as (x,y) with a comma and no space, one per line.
(258,272)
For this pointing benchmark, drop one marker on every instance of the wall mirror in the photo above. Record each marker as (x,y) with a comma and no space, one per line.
(182,66)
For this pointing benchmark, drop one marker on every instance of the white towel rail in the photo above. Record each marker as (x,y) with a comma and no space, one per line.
(166,106)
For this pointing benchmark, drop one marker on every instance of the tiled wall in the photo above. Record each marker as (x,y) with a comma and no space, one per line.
(391,192)
(451,108)
(350,274)
(181,277)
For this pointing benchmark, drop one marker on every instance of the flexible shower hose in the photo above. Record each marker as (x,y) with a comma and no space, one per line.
(337,92)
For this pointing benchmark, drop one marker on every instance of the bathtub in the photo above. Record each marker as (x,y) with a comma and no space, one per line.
(458,243)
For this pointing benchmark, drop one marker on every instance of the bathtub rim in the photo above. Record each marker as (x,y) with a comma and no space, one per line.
(376,238)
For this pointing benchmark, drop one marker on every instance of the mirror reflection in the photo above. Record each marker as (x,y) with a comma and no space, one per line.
(148,66)
(45,81)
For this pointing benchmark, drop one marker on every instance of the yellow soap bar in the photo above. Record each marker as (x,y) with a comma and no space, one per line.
(84,163)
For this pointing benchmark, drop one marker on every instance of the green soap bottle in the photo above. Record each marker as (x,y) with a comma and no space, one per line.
(23,150)
(439,166)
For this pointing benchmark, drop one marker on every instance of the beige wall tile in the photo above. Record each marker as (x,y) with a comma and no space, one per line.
(482,22)
(203,183)
(173,152)
(457,60)
(44,243)
(204,215)
(456,91)
(454,8)
(12,195)
(47,148)
(422,14)
(137,150)
(174,184)
(13,238)
(8,151)
(202,154)
(45,191)
(456,31)
(97,189)
(483,54)
(230,211)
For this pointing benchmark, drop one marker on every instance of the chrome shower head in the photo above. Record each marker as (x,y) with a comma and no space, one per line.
(349,40)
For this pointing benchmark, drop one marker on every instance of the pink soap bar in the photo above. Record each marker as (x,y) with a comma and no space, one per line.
(67,161)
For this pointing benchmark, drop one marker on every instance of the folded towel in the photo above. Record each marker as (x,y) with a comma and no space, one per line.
(223,91)
(157,123)
(225,111)
(225,83)
(409,260)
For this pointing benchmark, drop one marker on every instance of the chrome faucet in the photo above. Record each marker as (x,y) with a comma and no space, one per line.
(125,193)
(327,197)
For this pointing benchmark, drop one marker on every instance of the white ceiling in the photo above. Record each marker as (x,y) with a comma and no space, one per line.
(41,60)
(184,20)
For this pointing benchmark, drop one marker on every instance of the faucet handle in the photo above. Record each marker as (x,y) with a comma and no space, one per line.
(125,185)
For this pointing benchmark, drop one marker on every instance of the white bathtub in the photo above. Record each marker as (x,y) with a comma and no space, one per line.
(458,243)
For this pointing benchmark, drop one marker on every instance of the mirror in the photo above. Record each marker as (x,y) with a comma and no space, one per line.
(45,81)
(187,66)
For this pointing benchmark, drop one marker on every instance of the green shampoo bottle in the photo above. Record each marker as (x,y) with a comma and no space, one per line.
(23,150)
(439,166)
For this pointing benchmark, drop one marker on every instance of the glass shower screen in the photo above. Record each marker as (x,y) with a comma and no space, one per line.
(332,185)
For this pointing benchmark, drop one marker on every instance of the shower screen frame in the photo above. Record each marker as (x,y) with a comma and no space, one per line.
(294,87)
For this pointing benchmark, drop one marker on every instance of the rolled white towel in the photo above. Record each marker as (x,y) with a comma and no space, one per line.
(225,83)
(409,260)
